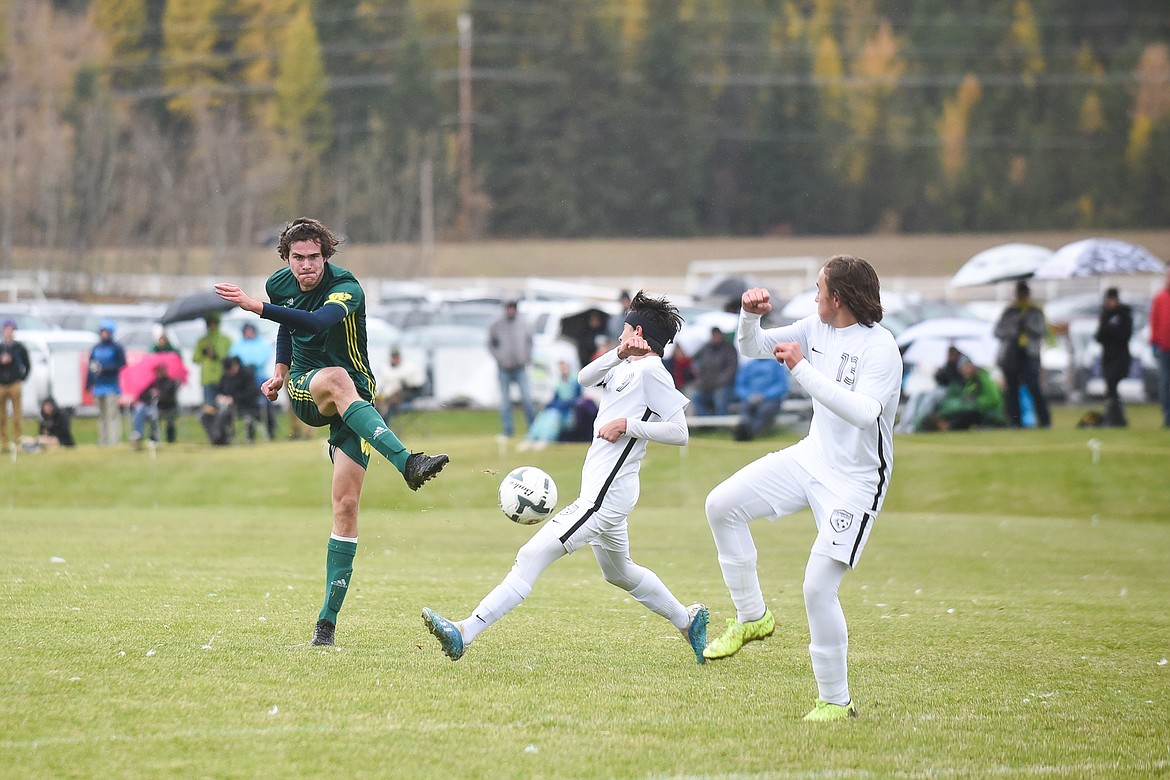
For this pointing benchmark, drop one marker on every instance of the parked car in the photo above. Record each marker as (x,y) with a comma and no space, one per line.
(59,362)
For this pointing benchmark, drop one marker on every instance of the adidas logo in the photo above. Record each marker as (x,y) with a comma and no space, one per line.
(379,431)
(341,583)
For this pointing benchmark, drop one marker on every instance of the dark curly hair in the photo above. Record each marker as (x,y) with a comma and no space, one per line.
(308,229)
(660,320)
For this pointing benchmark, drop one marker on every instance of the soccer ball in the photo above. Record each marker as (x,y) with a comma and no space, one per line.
(528,495)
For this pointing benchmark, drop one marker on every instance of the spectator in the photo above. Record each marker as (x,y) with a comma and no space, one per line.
(714,367)
(557,414)
(579,426)
(210,351)
(510,342)
(1114,330)
(972,402)
(592,337)
(14,368)
(157,403)
(1160,341)
(921,405)
(617,322)
(162,342)
(106,361)
(257,355)
(56,425)
(681,367)
(236,396)
(1021,331)
(398,382)
(760,386)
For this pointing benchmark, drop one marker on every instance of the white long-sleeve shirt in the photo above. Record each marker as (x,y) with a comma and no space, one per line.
(643,392)
(854,376)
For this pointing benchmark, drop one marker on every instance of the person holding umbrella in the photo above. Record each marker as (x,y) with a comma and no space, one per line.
(1114,329)
(323,364)
(210,352)
(1021,331)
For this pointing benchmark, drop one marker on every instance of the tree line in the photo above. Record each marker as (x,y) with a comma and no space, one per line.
(145,123)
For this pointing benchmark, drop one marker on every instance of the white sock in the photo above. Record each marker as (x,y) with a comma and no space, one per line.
(503,599)
(828,633)
(831,671)
(729,510)
(651,593)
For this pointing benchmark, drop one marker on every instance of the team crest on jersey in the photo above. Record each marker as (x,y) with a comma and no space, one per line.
(340,297)
(841,520)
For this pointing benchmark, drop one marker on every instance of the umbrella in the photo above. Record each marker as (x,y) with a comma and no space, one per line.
(1099,257)
(925,343)
(1003,263)
(194,306)
(139,372)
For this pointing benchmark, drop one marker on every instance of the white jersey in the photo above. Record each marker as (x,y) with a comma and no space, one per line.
(643,392)
(854,376)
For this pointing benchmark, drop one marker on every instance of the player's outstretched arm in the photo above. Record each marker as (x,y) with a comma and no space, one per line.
(233,294)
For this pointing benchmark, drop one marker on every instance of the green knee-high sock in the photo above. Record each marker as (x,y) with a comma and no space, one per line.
(363,419)
(338,570)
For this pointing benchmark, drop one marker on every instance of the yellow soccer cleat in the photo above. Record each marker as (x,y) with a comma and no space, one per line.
(738,633)
(825,711)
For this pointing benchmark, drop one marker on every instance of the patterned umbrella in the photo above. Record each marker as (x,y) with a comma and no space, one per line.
(1099,257)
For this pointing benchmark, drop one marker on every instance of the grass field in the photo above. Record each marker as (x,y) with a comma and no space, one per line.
(1009,618)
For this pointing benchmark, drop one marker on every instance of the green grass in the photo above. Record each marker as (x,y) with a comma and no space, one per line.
(1009,618)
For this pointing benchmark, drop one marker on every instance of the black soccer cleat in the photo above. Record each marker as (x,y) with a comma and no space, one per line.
(323,634)
(420,467)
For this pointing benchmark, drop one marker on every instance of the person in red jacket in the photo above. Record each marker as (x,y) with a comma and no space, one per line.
(1160,340)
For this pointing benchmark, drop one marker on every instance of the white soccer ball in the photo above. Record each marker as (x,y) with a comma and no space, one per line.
(528,495)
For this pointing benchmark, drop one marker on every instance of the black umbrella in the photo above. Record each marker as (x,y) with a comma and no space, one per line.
(194,306)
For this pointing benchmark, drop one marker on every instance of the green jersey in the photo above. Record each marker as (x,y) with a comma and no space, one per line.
(342,345)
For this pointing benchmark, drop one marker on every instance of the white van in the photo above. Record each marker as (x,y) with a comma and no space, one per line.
(59,363)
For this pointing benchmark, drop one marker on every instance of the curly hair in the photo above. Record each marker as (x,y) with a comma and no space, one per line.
(855,282)
(308,229)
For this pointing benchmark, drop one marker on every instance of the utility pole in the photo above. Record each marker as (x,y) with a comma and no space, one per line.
(463,220)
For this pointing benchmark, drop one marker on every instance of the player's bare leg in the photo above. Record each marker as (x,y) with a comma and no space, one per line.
(335,394)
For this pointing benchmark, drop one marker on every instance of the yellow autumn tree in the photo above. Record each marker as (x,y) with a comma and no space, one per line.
(953,127)
(122,22)
(303,117)
(1025,51)
(1151,107)
(877,71)
(191,69)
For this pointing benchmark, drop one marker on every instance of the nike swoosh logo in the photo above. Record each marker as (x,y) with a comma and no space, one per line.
(839,544)
(814,349)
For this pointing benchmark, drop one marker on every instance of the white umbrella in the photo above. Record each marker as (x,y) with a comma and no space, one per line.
(1003,263)
(1099,257)
(925,343)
